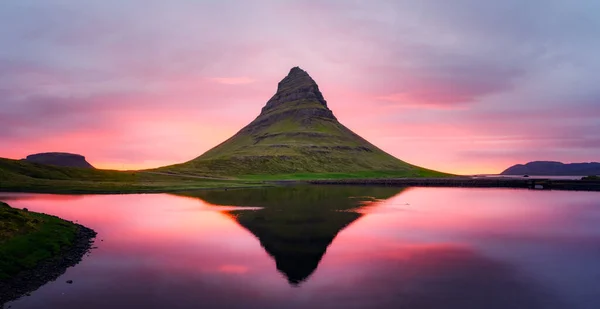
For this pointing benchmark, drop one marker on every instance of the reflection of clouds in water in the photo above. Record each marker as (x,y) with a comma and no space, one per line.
(440,276)
(424,276)
(424,255)
(214,208)
(233,269)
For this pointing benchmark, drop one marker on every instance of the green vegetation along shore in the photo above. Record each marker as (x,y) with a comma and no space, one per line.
(36,248)
(26,238)
(21,176)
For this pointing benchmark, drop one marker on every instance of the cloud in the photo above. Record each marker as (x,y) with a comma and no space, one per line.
(471,72)
(233,80)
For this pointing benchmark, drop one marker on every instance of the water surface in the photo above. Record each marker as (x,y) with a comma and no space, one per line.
(330,247)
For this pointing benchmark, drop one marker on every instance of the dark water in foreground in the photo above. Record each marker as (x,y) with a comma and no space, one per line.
(330,247)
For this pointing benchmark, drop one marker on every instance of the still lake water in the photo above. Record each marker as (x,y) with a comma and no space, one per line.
(330,247)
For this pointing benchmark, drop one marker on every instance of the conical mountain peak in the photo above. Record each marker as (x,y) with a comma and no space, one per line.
(297,87)
(296,77)
(295,133)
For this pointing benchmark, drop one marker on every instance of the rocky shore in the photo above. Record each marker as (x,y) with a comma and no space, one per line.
(48,270)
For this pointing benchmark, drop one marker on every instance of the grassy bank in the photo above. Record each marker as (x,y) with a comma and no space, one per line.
(20,176)
(27,238)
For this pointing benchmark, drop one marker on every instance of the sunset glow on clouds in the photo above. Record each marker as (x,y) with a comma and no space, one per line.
(466,87)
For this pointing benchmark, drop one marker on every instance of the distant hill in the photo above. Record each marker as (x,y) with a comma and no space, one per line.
(551,168)
(296,132)
(59,159)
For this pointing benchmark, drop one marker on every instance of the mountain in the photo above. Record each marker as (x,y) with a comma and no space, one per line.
(295,225)
(551,168)
(296,132)
(59,159)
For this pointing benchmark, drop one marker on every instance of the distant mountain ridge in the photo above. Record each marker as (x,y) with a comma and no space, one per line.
(59,159)
(552,168)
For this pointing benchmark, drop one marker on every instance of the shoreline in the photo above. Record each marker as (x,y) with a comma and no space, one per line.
(464,182)
(48,270)
(133,191)
(458,182)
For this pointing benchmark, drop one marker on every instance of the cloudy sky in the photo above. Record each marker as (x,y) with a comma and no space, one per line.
(464,86)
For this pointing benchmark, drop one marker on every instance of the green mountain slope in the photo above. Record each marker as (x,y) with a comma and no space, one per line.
(297,133)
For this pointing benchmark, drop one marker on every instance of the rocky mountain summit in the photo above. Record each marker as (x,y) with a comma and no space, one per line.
(59,159)
(552,168)
(296,86)
(295,132)
(290,101)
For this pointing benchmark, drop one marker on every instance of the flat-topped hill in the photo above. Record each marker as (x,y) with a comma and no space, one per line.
(59,159)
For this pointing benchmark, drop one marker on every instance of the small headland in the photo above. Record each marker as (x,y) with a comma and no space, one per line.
(36,248)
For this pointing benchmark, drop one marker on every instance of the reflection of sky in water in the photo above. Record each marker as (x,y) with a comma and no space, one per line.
(422,248)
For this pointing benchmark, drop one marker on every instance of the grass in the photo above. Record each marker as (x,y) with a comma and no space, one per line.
(26,238)
(298,147)
(19,176)
(416,173)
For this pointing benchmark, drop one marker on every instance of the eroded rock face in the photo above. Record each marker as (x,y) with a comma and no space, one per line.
(59,159)
(298,97)
(296,86)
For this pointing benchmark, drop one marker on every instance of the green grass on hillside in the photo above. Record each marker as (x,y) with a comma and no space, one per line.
(416,173)
(26,238)
(20,176)
(293,150)
(298,140)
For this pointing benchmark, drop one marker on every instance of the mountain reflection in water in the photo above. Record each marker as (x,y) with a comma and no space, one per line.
(295,225)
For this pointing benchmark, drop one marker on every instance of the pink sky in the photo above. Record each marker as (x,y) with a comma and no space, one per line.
(140,84)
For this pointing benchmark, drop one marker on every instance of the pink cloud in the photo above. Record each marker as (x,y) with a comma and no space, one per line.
(420,100)
(158,91)
(233,80)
